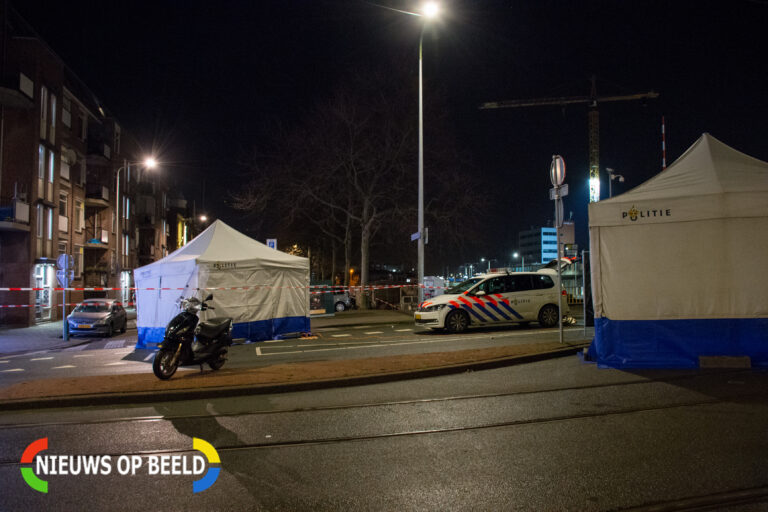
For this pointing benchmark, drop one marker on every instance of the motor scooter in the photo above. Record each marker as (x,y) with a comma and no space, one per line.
(187,342)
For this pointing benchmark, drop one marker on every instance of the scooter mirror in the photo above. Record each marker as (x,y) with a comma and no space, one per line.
(209,297)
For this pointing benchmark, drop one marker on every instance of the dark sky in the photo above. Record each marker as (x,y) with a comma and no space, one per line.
(204,82)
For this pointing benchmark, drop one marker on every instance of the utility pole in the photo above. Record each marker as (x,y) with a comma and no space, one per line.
(593,117)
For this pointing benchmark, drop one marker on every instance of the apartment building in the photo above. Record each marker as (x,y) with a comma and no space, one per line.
(539,245)
(71,182)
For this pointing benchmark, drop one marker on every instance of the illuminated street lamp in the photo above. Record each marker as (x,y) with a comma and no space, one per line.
(612,176)
(518,255)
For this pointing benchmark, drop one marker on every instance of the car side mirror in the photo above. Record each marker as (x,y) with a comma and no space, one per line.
(479,293)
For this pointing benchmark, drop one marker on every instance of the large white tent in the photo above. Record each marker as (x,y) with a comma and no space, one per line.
(264,291)
(677,263)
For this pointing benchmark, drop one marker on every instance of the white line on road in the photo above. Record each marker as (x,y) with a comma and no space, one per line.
(119,363)
(62,367)
(150,356)
(4,362)
(258,351)
(83,355)
(41,358)
(403,330)
(340,335)
(115,344)
(13,370)
(374,332)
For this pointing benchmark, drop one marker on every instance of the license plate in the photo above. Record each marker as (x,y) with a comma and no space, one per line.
(418,317)
(84,326)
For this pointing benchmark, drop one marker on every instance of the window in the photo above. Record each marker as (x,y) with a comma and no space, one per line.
(519,283)
(49,231)
(79,261)
(40,220)
(41,162)
(52,130)
(66,112)
(79,216)
(117,140)
(83,127)
(63,203)
(543,282)
(80,172)
(43,111)
(127,209)
(51,165)
(64,169)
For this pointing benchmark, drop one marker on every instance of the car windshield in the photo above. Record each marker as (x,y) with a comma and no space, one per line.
(464,286)
(93,307)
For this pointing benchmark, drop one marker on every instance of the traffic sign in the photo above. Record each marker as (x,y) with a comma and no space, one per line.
(272,243)
(65,262)
(554,192)
(557,170)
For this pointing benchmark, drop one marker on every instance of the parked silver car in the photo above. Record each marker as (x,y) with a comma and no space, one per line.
(98,316)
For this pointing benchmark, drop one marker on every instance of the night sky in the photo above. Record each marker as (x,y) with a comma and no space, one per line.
(204,83)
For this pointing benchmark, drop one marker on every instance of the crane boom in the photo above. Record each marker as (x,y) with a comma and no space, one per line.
(594,122)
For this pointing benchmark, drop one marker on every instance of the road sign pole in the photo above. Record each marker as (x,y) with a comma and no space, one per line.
(557,176)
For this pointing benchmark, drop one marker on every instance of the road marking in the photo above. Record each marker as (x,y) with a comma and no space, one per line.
(340,335)
(4,362)
(258,351)
(83,355)
(115,344)
(119,363)
(62,367)
(14,370)
(374,332)
(41,358)
(150,356)
(403,330)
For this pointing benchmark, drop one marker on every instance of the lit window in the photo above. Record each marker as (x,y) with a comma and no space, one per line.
(41,162)
(40,220)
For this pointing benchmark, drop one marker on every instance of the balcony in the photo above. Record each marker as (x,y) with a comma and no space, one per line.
(14,215)
(97,239)
(17,91)
(96,196)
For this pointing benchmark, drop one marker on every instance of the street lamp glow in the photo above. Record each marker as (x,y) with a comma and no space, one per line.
(150,163)
(430,10)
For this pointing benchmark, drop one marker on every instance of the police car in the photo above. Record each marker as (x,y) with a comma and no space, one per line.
(496,298)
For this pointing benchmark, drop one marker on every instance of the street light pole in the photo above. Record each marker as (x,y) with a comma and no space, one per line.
(149,163)
(421,177)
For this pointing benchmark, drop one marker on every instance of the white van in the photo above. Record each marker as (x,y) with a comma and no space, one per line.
(518,297)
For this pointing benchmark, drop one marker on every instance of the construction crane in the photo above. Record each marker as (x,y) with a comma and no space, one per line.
(594,123)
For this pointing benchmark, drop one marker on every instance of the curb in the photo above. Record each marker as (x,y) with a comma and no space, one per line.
(232,391)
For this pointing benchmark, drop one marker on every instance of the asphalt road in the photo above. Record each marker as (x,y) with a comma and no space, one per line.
(86,355)
(553,435)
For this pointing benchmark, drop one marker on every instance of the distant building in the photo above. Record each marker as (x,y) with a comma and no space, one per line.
(64,160)
(539,245)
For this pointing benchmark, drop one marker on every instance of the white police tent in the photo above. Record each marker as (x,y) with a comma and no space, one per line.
(264,291)
(677,264)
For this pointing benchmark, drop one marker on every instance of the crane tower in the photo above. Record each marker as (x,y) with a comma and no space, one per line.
(594,123)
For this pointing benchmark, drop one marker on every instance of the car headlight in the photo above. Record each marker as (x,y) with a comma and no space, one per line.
(102,321)
(432,308)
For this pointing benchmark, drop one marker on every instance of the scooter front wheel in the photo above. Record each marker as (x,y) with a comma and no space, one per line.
(162,365)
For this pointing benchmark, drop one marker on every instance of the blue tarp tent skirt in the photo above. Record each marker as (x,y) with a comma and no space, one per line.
(260,330)
(677,343)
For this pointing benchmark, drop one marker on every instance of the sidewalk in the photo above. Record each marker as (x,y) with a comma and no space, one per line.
(278,378)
